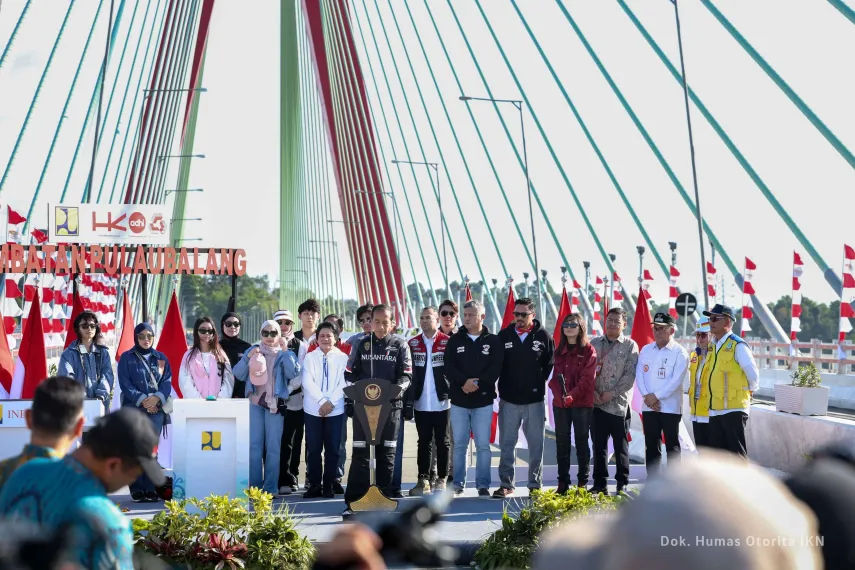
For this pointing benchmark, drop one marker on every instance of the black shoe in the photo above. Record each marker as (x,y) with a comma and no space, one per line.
(313,493)
(449,481)
(563,487)
(337,488)
(458,491)
(328,494)
(151,497)
(396,494)
(138,497)
(595,490)
(483,493)
(620,489)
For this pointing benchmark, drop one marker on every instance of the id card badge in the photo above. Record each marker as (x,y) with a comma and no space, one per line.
(597,370)
(661,373)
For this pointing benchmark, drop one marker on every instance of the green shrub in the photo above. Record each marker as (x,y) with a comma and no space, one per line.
(512,546)
(225,533)
(807,376)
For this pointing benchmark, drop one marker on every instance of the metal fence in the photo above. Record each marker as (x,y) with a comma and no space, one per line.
(785,356)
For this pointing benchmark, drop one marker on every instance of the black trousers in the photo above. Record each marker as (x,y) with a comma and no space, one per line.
(701,432)
(432,428)
(292,446)
(359,476)
(655,425)
(607,426)
(579,420)
(727,432)
(323,436)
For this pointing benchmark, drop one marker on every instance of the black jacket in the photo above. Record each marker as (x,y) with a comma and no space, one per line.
(391,361)
(527,365)
(466,358)
(418,351)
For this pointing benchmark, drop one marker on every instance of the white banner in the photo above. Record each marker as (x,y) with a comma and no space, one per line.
(109,223)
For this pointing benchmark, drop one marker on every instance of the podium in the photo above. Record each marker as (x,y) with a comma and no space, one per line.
(210,448)
(371,406)
(14,434)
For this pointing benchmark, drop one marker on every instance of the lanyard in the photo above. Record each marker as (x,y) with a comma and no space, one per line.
(326,384)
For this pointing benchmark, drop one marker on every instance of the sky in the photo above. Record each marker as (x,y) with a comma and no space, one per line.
(808,43)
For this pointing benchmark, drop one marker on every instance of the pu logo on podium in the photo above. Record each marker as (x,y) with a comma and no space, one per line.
(1,414)
(212,440)
(67,221)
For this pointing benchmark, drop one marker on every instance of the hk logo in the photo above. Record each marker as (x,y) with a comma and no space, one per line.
(67,221)
(212,440)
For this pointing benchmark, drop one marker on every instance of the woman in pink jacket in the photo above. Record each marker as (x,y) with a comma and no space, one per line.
(205,370)
(572,386)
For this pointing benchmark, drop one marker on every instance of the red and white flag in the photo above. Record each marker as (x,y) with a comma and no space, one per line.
(795,319)
(468,292)
(31,364)
(599,290)
(563,312)
(711,282)
(574,297)
(747,291)
(673,293)
(173,342)
(847,297)
(646,282)
(616,294)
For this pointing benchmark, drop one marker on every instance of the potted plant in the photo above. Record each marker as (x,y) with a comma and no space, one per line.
(805,396)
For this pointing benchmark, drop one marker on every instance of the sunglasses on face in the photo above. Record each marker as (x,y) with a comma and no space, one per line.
(206,331)
(233,324)
(90,326)
(145,336)
(570,325)
(284,323)
(269,334)
(447,313)
(521,315)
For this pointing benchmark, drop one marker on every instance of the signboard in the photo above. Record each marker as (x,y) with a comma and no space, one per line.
(686,303)
(109,223)
(14,434)
(121,260)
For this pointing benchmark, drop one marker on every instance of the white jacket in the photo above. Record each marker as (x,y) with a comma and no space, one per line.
(316,388)
(661,372)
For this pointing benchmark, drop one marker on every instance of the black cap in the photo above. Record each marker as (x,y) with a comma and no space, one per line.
(663,319)
(128,434)
(721,310)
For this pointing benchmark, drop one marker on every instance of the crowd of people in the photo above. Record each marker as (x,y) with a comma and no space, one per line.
(447,378)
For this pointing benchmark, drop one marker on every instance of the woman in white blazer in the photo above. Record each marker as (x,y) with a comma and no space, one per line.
(323,406)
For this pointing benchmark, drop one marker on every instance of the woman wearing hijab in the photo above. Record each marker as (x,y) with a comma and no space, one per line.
(234,347)
(205,369)
(267,370)
(87,359)
(146,382)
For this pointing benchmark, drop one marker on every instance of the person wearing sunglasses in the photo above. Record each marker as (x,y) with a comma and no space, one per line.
(145,379)
(292,431)
(267,370)
(528,361)
(731,375)
(88,360)
(205,369)
(234,347)
(572,386)
(662,366)
(699,396)
(448,311)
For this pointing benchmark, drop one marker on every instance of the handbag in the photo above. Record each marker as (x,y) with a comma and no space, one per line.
(166,406)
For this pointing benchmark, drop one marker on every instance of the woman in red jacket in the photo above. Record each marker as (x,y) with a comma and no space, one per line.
(572,386)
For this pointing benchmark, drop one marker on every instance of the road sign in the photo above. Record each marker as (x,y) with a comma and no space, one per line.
(686,304)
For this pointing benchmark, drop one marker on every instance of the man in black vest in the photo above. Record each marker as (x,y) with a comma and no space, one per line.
(529,352)
(387,357)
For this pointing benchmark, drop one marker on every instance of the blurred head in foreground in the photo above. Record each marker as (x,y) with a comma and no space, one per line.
(713,513)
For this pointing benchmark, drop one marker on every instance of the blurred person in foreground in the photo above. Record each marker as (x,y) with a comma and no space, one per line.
(55,421)
(72,492)
(718,512)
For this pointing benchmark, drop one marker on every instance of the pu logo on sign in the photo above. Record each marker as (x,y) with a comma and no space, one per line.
(1,414)
(136,222)
(212,440)
(66,221)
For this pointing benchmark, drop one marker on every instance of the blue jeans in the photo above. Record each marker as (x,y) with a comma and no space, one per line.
(478,421)
(322,435)
(399,458)
(265,444)
(143,483)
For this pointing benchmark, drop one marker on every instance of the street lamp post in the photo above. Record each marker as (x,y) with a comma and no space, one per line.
(442,227)
(195,89)
(182,191)
(519,106)
(163,157)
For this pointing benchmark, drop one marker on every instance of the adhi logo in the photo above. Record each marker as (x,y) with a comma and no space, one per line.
(136,222)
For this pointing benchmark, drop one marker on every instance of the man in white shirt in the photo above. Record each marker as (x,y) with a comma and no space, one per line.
(659,378)
(430,393)
(732,377)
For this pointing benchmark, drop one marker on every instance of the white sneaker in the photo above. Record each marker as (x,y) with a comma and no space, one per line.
(285,490)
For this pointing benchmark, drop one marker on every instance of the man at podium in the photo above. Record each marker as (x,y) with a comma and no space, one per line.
(386,357)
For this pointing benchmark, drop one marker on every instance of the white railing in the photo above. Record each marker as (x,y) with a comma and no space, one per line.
(776,355)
